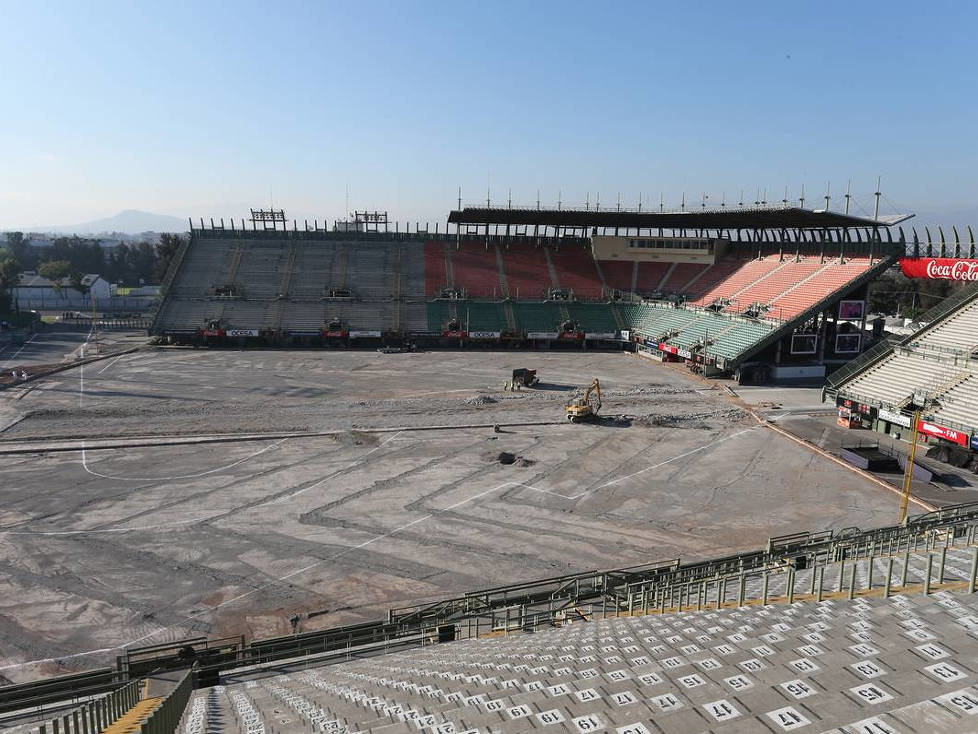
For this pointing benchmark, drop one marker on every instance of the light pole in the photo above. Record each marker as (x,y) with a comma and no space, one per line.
(908,473)
(924,404)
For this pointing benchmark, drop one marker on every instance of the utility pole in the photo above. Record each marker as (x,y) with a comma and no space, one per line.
(848,188)
(95,323)
(827,197)
(801,199)
(908,474)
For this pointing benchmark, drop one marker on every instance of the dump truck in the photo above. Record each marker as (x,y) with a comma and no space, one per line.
(522,377)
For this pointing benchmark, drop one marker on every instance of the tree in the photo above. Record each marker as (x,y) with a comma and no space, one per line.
(20,249)
(165,250)
(8,278)
(55,271)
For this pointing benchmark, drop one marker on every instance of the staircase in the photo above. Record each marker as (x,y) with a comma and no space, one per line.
(802,282)
(510,316)
(449,270)
(283,289)
(397,288)
(341,269)
(604,283)
(618,318)
(946,386)
(665,276)
(554,280)
(564,313)
(502,272)
(234,265)
(764,277)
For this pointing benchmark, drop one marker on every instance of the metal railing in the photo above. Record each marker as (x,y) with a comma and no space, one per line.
(868,358)
(165,718)
(96,715)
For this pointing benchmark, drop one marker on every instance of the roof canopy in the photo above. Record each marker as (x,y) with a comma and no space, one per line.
(758,218)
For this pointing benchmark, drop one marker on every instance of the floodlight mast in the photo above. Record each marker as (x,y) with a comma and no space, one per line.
(268,218)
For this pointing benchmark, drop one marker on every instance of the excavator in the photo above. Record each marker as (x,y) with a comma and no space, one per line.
(583,409)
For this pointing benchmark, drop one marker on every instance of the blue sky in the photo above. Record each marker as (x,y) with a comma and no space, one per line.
(203,108)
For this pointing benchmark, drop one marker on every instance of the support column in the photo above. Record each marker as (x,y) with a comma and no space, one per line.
(764,589)
(940,566)
(852,581)
(818,586)
(889,575)
(930,567)
(791,586)
(906,566)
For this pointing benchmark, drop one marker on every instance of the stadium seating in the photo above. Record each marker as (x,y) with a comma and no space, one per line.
(475,270)
(897,378)
(282,284)
(856,660)
(650,275)
(790,273)
(712,276)
(680,276)
(593,317)
(575,270)
(540,317)
(439,314)
(935,364)
(435,272)
(527,274)
(825,281)
(957,334)
(747,273)
(483,316)
(617,274)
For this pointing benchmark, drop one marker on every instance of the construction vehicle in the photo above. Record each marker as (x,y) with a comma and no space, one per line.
(583,408)
(522,377)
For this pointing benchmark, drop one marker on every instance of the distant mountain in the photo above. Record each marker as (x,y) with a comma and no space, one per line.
(131,221)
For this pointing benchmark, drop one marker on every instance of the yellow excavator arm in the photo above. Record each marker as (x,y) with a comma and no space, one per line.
(584,409)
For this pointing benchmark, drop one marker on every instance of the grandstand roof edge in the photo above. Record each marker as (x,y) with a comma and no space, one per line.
(747,218)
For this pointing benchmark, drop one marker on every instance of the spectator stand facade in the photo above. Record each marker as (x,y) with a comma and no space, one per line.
(760,303)
(934,370)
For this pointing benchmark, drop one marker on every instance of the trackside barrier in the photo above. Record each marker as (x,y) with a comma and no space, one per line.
(95,715)
(165,718)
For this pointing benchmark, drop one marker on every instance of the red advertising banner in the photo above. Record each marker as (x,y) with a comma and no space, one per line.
(668,348)
(948,434)
(939,268)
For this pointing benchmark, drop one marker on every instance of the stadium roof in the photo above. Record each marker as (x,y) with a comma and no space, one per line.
(733,218)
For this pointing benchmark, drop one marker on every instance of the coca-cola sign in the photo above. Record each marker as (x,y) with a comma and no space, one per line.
(939,268)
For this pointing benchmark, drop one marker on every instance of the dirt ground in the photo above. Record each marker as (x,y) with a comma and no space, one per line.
(407,500)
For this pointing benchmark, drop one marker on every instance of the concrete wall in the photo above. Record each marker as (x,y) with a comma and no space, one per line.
(616,248)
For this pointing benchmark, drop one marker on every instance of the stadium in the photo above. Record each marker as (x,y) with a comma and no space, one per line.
(316,499)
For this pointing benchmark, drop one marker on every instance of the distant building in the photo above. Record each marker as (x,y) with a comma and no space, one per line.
(37,292)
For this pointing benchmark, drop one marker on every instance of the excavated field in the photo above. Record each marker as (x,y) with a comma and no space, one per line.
(102,549)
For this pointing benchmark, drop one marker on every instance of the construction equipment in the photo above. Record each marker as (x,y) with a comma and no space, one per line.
(583,409)
(522,377)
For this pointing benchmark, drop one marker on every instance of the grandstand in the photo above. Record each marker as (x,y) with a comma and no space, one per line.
(843,631)
(730,302)
(933,370)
